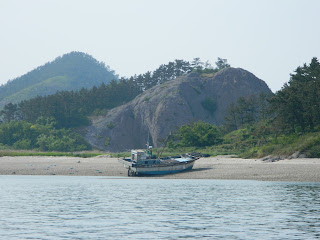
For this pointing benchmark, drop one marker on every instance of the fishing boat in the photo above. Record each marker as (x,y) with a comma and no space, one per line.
(142,162)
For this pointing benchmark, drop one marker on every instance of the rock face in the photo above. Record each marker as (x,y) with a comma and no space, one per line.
(153,114)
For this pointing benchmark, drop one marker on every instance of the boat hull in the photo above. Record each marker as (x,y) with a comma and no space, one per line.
(160,170)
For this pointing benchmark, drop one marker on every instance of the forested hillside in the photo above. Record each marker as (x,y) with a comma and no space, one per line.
(288,124)
(152,115)
(70,109)
(254,125)
(71,71)
(297,105)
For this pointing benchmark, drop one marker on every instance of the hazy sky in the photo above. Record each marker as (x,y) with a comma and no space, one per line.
(269,38)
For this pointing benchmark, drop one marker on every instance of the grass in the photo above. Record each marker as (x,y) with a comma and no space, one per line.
(13,153)
(212,151)
(120,154)
(240,142)
(243,144)
(307,144)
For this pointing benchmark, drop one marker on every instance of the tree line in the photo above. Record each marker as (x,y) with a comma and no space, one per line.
(172,70)
(295,109)
(296,106)
(71,109)
(42,135)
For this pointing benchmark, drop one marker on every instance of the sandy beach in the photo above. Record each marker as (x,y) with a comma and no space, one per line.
(220,167)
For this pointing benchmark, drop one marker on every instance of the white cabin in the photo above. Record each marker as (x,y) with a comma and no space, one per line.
(138,156)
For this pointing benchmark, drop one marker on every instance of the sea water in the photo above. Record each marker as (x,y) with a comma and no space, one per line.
(70,207)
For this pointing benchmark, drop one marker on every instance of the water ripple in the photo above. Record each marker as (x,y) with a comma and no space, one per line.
(56,207)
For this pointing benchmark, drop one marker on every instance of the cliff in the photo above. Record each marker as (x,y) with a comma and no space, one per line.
(161,109)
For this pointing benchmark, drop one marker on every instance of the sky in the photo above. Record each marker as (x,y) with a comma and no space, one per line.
(269,38)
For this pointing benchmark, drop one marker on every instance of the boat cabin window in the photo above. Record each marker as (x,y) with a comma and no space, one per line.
(146,162)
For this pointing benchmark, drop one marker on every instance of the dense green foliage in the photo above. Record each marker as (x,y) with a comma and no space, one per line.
(71,108)
(307,144)
(165,72)
(207,68)
(42,135)
(281,124)
(172,70)
(24,124)
(15,153)
(198,134)
(247,111)
(72,71)
(297,104)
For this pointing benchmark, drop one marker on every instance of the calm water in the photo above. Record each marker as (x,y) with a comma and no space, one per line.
(56,207)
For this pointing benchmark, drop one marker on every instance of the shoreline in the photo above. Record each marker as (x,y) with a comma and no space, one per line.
(219,167)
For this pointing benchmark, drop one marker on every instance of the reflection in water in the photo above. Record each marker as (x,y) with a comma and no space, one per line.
(305,202)
(51,207)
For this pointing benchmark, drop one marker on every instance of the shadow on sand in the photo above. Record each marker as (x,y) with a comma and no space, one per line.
(198,169)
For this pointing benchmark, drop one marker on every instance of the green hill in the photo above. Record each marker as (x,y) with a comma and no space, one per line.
(71,71)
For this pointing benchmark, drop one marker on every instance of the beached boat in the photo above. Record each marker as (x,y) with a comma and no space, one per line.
(142,162)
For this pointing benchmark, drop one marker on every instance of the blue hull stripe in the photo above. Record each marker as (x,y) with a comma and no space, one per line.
(164,172)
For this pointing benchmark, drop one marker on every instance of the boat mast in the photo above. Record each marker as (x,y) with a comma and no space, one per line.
(165,144)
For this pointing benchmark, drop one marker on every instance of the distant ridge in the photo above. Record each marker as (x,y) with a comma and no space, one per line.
(71,71)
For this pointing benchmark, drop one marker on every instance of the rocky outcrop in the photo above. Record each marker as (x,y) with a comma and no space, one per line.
(161,109)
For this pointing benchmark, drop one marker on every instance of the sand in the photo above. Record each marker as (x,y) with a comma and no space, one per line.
(220,167)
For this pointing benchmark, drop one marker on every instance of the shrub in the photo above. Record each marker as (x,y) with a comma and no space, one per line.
(314,152)
(110,125)
(209,105)
(199,134)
